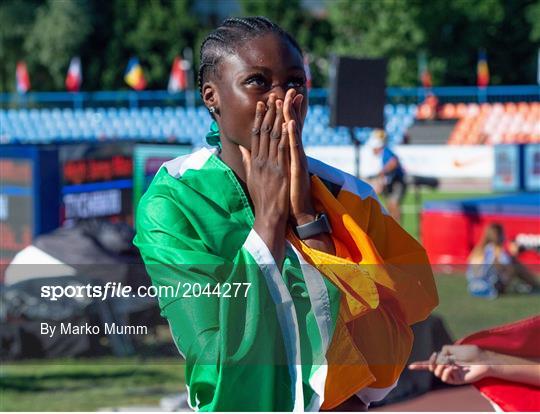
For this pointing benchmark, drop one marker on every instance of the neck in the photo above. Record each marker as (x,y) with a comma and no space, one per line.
(231,155)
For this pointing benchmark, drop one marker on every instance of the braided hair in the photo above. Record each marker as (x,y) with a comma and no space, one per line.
(226,38)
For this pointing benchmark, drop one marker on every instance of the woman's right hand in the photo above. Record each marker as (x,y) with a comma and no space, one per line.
(267,175)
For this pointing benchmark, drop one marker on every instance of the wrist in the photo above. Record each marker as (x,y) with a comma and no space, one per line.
(271,222)
(303,215)
(303,218)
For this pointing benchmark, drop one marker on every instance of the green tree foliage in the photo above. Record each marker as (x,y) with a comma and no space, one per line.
(533,17)
(163,29)
(106,33)
(155,31)
(16,19)
(450,32)
(59,29)
(384,28)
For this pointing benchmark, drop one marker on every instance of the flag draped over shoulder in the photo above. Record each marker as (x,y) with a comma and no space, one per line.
(307,337)
(521,339)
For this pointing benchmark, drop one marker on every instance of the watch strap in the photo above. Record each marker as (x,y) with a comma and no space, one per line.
(317,226)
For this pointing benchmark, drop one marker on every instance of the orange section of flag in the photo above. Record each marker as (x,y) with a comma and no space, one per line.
(385,287)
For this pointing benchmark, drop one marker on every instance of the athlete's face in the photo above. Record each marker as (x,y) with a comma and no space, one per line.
(265,65)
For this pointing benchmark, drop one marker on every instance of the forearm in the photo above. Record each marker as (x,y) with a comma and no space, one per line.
(272,232)
(513,368)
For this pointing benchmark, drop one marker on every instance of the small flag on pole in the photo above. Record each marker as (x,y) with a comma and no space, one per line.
(23,79)
(178,80)
(134,75)
(538,68)
(309,82)
(424,74)
(482,70)
(74,75)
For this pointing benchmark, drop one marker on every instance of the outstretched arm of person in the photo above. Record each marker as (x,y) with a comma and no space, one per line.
(465,364)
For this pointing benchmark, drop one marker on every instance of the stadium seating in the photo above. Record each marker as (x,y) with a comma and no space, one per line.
(477,124)
(168,124)
(496,123)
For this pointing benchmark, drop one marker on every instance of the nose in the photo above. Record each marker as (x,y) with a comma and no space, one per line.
(279,91)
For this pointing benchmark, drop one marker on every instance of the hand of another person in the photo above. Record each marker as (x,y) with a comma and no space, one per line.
(301,205)
(456,364)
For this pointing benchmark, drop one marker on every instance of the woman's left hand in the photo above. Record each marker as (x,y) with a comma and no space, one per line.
(301,207)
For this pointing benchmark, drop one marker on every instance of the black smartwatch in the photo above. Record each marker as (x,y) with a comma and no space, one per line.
(321,224)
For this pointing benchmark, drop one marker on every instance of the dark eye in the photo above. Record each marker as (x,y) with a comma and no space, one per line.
(257,80)
(297,82)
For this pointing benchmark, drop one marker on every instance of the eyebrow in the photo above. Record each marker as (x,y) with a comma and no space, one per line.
(265,69)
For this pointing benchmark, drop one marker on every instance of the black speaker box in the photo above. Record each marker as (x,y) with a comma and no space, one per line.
(357,92)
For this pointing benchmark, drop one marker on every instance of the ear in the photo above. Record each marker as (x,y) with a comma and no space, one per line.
(210,95)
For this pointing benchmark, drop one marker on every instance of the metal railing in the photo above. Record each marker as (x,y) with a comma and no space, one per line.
(133,99)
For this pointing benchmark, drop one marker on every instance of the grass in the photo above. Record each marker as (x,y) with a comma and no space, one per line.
(91,384)
(87,384)
(464,314)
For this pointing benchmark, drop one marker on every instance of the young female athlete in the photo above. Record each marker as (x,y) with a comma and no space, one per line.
(293,289)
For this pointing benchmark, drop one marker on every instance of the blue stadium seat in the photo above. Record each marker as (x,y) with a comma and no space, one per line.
(170,124)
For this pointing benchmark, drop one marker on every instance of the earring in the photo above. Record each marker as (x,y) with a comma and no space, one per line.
(212,109)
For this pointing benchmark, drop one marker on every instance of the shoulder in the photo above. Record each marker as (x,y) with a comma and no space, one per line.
(346,181)
(196,160)
(387,152)
(162,203)
(171,174)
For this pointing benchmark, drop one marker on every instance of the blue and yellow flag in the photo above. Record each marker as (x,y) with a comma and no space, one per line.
(134,75)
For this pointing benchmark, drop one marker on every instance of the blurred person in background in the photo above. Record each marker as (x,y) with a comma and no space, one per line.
(494,269)
(390,181)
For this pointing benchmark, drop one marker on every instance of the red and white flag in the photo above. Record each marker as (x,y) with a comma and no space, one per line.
(178,80)
(23,79)
(308,72)
(74,75)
